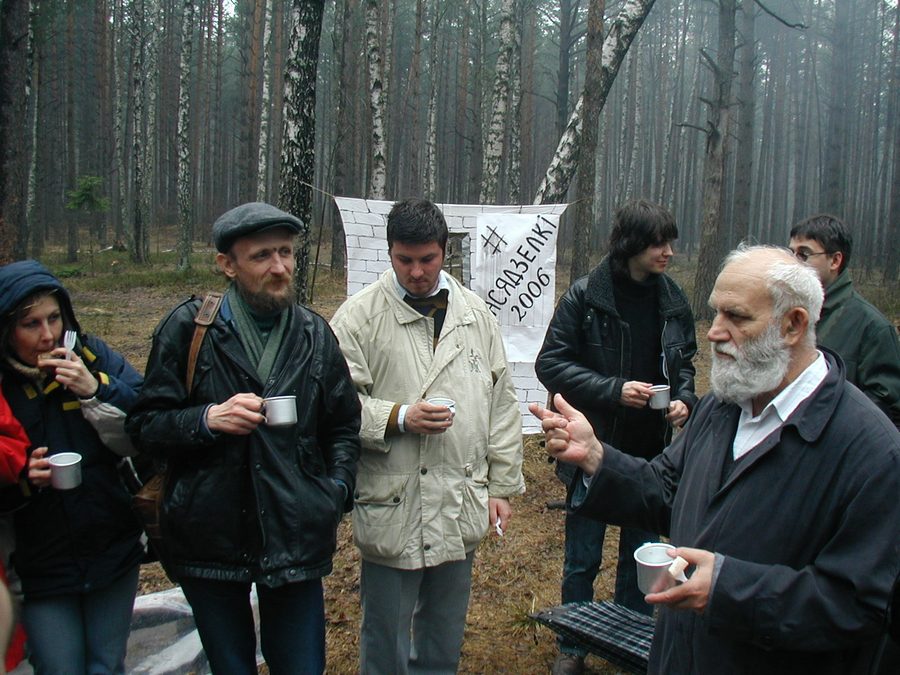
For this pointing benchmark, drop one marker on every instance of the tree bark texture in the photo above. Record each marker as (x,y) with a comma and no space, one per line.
(185,176)
(584,207)
(714,168)
(378,182)
(493,145)
(298,154)
(622,32)
(13,127)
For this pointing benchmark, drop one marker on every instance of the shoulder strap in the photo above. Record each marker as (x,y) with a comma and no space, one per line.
(203,321)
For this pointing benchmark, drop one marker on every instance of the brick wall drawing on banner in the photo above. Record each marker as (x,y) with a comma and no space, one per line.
(522,273)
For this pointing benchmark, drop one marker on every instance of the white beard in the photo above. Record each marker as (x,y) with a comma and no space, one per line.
(759,366)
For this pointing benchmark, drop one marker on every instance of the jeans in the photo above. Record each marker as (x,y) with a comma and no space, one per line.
(291,626)
(584,553)
(81,632)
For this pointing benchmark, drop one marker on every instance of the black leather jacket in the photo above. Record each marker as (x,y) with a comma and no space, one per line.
(262,507)
(587,350)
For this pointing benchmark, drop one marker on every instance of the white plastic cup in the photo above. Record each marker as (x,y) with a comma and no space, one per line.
(446,402)
(280,411)
(659,399)
(653,564)
(65,470)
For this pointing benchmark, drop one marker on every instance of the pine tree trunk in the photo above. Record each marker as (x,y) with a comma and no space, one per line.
(891,264)
(185,177)
(298,153)
(714,167)
(746,111)
(833,171)
(138,237)
(584,209)
(343,132)
(71,165)
(13,127)
(514,172)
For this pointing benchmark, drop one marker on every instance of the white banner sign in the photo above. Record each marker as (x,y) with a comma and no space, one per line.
(514,273)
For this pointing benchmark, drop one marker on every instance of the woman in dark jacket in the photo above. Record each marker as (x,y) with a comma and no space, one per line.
(77,550)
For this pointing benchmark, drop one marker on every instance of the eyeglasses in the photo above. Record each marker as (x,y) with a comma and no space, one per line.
(803,255)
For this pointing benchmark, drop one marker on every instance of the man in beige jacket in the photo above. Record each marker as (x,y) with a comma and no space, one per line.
(432,479)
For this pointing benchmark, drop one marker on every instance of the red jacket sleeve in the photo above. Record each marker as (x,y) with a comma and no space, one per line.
(13,445)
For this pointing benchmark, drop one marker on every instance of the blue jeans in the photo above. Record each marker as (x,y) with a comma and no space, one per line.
(81,632)
(291,626)
(584,553)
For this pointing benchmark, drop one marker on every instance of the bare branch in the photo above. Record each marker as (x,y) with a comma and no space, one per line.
(693,126)
(801,26)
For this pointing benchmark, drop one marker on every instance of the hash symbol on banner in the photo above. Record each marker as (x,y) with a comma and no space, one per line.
(493,241)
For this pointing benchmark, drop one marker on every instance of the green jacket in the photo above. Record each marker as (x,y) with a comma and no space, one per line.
(866,342)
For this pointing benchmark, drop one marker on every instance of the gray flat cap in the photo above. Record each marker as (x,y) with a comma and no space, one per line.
(249,219)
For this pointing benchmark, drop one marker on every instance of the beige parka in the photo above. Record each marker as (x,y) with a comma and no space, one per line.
(422,500)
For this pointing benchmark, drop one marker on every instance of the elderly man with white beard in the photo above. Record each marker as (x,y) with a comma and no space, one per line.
(781,492)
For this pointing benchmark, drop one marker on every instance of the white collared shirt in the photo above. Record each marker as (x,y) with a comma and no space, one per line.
(751,431)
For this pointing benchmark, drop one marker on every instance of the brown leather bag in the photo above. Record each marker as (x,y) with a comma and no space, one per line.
(147,501)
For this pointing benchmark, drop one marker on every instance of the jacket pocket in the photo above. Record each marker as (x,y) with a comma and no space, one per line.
(473,516)
(381,515)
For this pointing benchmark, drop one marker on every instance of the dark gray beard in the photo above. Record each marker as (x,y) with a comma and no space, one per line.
(265,304)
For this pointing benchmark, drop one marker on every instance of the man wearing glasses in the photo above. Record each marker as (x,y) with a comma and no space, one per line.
(849,324)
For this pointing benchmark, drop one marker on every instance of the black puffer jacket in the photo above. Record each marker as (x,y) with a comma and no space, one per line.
(262,507)
(586,353)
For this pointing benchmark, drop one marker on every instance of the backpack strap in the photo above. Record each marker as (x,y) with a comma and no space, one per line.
(204,319)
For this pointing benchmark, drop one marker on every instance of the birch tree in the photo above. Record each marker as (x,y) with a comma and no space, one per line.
(265,110)
(140,242)
(378,181)
(185,176)
(493,144)
(298,153)
(618,40)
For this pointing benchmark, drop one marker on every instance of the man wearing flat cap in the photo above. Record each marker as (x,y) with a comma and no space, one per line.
(247,501)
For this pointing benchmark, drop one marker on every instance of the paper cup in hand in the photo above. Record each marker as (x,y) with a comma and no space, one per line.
(280,411)
(65,470)
(659,399)
(653,564)
(446,402)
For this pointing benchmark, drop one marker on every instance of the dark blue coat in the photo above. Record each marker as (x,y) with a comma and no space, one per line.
(82,539)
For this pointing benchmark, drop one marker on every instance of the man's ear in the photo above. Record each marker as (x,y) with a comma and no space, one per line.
(226,265)
(837,259)
(794,324)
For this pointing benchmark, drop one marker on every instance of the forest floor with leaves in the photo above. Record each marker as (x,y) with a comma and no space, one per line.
(513,576)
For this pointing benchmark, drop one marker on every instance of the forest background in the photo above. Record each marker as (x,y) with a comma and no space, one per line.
(128,126)
(119,118)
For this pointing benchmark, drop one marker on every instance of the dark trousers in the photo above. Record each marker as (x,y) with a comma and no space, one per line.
(291,626)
